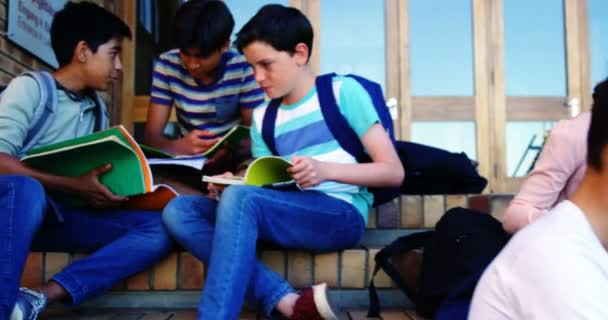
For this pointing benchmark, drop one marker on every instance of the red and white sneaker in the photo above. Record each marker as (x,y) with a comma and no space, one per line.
(313,305)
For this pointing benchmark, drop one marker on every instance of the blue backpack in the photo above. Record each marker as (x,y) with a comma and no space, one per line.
(338,125)
(45,110)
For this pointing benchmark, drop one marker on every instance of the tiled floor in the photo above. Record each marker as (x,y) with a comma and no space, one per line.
(191,315)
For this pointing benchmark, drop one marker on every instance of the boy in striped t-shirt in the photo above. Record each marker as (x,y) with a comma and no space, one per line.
(211,86)
(330,212)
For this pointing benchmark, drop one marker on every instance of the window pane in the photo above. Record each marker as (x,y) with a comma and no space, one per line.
(535,62)
(525,140)
(441,47)
(455,136)
(352,39)
(598,33)
(243,10)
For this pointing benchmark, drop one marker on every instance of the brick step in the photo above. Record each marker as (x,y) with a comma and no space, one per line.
(180,276)
(347,269)
(188,314)
(342,299)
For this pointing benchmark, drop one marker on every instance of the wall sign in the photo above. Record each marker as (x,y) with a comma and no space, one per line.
(29,23)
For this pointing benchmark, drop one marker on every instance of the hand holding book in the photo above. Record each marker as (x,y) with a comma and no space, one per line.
(92,191)
(270,171)
(307,171)
(195,142)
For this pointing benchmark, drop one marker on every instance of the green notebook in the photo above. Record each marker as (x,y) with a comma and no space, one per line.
(268,171)
(233,138)
(130,173)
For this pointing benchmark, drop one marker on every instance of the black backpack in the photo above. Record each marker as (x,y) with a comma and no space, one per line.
(430,170)
(454,256)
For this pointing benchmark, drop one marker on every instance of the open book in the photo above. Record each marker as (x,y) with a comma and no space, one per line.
(130,174)
(233,138)
(269,171)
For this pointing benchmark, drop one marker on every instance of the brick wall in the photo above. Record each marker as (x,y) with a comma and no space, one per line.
(15,60)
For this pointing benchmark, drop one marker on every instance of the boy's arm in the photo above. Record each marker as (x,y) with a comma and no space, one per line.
(384,170)
(87,187)
(161,103)
(195,142)
(16,115)
(246,115)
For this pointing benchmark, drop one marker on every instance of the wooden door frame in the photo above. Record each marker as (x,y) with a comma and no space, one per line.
(576,26)
(489,108)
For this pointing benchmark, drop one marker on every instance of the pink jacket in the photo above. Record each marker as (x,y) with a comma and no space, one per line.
(557,174)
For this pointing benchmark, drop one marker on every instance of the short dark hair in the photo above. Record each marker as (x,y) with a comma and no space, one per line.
(83,21)
(597,138)
(205,25)
(279,26)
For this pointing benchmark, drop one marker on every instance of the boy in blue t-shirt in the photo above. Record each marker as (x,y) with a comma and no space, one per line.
(330,213)
(211,86)
(87,42)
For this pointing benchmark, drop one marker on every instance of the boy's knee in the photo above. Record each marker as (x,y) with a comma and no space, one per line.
(23,185)
(183,209)
(239,194)
(238,201)
(158,236)
(25,194)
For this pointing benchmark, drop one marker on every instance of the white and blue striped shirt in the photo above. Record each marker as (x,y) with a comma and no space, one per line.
(215,106)
(301,130)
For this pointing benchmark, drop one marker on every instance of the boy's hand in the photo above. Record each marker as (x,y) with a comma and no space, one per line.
(307,171)
(215,190)
(196,142)
(94,192)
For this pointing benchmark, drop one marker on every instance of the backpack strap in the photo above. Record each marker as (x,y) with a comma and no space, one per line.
(336,122)
(401,245)
(379,104)
(102,119)
(270,117)
(45,108)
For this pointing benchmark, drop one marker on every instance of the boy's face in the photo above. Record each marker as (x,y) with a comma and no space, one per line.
(104,66)
(275,71)
(200,67)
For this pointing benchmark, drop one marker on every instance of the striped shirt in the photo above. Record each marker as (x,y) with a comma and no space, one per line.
(301,130)
(215,106)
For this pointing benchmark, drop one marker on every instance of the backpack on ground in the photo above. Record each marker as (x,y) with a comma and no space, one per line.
(46,108)
(454,256)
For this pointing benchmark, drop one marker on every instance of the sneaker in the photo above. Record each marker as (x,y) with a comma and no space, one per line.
(313,305)
(29,305)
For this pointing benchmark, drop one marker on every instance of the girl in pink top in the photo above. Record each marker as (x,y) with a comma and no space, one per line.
(557,174)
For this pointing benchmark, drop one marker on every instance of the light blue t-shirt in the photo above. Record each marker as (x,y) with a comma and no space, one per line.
(301,130)
(17,103)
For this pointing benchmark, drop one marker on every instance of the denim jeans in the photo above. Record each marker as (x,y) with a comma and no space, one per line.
(121,242)
(223,235)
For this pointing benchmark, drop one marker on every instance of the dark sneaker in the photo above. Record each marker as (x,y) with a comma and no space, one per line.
(29,305)
(313,305)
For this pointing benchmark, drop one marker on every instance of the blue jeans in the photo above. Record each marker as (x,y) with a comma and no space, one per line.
(223,235)
(121,242)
